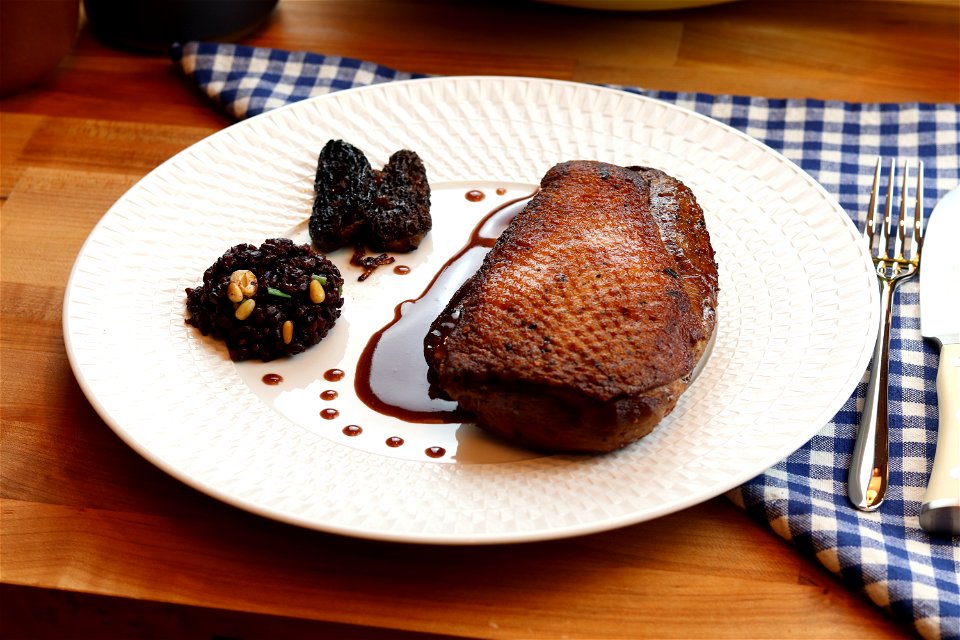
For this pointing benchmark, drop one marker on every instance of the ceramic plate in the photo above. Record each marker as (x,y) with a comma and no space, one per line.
(797,317)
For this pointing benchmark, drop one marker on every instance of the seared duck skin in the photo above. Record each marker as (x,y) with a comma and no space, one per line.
(581,328)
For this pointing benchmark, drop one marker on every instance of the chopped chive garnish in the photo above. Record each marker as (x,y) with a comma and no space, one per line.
(277,292)
(320,279)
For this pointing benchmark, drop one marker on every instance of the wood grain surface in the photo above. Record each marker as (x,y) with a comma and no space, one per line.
(98,542)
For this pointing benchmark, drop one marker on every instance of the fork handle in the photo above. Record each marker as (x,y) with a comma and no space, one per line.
(867,477)
(940,511)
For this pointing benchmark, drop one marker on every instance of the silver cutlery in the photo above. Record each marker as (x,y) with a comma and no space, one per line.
(867,477)
(940,322)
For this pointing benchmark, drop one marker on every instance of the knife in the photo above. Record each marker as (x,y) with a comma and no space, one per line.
(940,322)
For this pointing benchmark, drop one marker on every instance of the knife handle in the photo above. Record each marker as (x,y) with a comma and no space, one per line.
(940,511)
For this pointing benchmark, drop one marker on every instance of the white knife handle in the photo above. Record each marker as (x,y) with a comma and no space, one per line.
(940,511)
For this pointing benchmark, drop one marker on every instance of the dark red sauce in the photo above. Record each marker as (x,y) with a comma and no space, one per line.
(501,191)
(392,372)
(272,379)
(329,394)
(435,452)
(394,441)
(475,195)
(352,430)
(329,414)
(401,269)
(333,375)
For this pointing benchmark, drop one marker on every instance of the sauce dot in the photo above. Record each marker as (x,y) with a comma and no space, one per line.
(475,195)
(272,379)
(329,394)
(352,430)
(333,375)
(394,441)
(329,414)
(501,191)
(435,452)
(401,269)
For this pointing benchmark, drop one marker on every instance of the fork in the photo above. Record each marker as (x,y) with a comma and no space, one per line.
(867,477)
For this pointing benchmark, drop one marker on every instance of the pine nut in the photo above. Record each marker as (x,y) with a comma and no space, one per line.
(246,281)
(234,293)
(245,309)
(317,294)
(287,332)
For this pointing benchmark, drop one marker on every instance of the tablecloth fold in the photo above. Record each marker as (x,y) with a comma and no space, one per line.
(803,498)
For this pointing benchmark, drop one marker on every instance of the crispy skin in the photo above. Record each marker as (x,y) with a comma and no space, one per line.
(684,233)
(582,327)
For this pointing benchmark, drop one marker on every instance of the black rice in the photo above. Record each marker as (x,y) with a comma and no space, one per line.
(284,272)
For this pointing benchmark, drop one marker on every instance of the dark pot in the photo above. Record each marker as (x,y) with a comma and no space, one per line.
(153,25)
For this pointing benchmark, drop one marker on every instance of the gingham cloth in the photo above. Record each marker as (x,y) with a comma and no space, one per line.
(803,498)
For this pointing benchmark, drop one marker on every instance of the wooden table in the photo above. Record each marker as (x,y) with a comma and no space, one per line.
(97,541)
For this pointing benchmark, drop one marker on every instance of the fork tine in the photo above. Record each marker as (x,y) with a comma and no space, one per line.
(918,214)
(887,224)
(900,240)
(870,228)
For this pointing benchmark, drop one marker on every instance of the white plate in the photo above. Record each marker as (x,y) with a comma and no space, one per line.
(797,316)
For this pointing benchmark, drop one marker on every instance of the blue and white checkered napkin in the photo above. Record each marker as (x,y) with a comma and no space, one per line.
(803,498)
